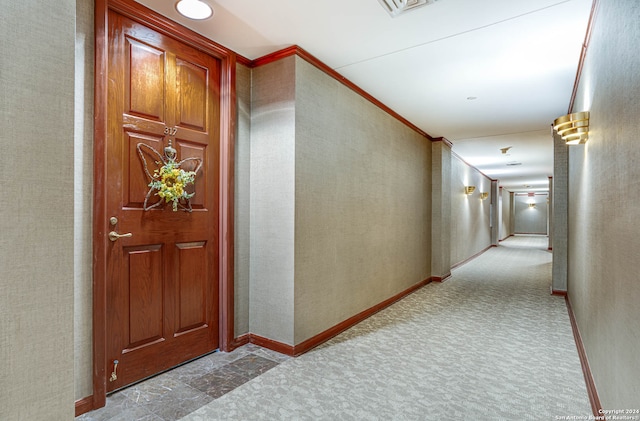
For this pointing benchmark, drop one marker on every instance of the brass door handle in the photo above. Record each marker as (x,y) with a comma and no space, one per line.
(113,236)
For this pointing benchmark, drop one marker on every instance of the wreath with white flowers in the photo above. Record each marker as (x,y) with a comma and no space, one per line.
(170,181)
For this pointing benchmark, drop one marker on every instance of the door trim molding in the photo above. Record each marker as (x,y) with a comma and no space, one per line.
(228,59)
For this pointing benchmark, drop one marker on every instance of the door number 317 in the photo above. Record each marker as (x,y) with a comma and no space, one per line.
(171,131)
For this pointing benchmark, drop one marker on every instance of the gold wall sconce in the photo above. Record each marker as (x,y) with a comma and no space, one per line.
(469,189)
(484,195)
(532,205)
(573,128)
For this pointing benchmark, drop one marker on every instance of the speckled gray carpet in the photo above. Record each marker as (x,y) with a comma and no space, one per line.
(490,343)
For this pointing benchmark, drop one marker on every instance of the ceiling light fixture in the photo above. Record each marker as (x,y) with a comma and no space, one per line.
(194,9)
(573,128)
(396,7)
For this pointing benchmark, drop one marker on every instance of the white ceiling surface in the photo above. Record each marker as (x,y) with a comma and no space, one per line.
(517,57)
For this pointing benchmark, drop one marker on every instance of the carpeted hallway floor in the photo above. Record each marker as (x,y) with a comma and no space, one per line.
(490,343)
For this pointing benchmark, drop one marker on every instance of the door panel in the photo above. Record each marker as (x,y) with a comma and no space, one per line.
(138,186)
(192,103)
(162,283)
(145,79)
(144,276)
(198,151)
(192,283)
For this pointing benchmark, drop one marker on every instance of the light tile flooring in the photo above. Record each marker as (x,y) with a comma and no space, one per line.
(176,393)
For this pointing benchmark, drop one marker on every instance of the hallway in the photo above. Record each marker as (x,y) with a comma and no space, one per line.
(490,343)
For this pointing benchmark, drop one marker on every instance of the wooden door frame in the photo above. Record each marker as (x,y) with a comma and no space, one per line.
(228,58)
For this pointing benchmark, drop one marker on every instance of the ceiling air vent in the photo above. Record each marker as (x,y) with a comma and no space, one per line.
(397,7)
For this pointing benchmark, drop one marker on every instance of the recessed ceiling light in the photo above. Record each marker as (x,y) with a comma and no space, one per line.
(194,9)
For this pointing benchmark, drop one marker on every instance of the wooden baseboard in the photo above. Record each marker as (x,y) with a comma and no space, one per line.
(272,345)
(324,336)
(472,257)
(239,341)
(441,279)
(596,407)
(531,233)
(84,405)
(558,292)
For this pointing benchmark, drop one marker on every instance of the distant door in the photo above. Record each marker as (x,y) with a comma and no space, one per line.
(162,280)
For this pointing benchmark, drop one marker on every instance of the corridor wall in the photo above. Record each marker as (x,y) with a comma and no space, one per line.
(470,230)
(507,211)
(37,242)
(531,220)
(340,209)
(604,216)
(242,198)
(83,201)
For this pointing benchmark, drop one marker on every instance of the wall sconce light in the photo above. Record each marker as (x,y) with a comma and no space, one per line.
(469,189)
(532,205)
(574,128)
(194,9)
(484,195)
(396,7)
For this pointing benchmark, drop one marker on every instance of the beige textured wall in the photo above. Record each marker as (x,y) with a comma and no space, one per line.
(83,200)
(531,220)
(560,213)
(604,211)
(36,245)
(242,206)
(272,202)
(505,213)
(470,231)
(441,157)
(362,203)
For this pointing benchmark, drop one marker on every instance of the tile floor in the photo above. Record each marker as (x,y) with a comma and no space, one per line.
(176,393)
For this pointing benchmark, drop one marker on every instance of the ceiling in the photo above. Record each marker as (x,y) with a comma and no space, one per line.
(484,74)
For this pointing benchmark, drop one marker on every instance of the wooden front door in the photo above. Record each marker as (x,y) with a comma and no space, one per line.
(162,304)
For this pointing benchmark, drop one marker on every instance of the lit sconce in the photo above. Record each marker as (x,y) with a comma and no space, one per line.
(469,189)
(484,195)
(532,205)
(574,128)
(194,9)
